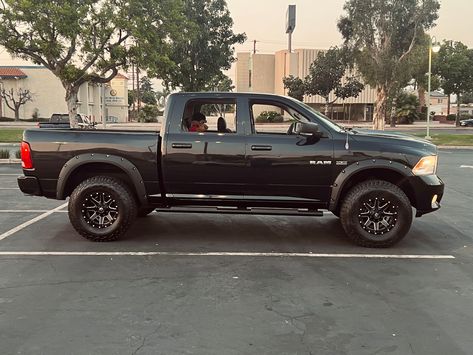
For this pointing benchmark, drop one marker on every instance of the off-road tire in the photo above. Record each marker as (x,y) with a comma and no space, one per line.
(124,201)
(354,204)
(144,211)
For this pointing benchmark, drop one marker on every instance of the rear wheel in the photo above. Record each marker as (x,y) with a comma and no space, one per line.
(376,214)
(102,209)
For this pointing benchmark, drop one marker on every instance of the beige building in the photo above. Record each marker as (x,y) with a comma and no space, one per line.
(48,95)
(439,103)
(265,73)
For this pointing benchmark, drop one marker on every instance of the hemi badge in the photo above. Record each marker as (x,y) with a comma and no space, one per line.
(341,162)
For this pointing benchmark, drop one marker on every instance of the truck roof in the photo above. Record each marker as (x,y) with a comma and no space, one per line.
(223,94)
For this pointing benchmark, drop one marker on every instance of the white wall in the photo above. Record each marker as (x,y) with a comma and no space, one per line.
(49,96)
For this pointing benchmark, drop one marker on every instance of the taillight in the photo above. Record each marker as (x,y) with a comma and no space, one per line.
(26,161)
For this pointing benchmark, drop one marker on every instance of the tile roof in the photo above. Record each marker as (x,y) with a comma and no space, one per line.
(121,76)
(11,73)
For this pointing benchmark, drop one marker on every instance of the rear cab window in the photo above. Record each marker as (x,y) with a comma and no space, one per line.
(210,116)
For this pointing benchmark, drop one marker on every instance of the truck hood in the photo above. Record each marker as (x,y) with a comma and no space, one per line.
(394,138)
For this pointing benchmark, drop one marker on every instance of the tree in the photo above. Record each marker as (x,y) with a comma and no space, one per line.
(407,107)
(203,47)
(220,83)
(15,99)
(383,34)
(83,41)
(326,76)
(295,87)
(147,93)
(455,67)
(467,98)
(419,66)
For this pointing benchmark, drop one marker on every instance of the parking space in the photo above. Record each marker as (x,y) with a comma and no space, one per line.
(214,284)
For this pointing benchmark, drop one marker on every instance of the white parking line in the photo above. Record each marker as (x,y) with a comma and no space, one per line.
(31,221)
(466,166)
(10,174)
(9,188)
(250,254)
(30,211)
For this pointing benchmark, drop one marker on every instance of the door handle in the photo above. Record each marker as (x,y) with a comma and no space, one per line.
(261,147)
(182,145)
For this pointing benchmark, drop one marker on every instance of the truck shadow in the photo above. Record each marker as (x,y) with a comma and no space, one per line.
(203,232)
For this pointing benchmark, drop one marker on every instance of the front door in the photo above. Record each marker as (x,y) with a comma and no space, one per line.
(284,166)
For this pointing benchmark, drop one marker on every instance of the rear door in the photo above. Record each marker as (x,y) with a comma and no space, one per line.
(202,165)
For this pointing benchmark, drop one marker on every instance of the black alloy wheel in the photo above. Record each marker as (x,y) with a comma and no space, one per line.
(102,208)
(376,214)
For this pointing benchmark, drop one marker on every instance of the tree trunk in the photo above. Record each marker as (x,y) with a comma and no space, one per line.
(421,93)
(380,108)
(457,119)
(448,105)
(326,107)
(71,99)
(17,113)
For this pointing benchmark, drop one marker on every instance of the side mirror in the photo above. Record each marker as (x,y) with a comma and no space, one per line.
(308,129)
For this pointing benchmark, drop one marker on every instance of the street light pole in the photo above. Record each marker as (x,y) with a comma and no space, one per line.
(429,79)
(435,49)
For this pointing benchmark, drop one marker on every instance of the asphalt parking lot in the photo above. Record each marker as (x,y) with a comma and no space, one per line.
(221,284)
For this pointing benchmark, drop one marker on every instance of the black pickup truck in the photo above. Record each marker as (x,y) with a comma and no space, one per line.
(257,154)
(61,120)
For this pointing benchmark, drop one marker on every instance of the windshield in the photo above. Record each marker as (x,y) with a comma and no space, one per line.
(327,121)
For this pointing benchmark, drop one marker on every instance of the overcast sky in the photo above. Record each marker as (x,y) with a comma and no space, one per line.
(316,27)
(316,23)
(264,20)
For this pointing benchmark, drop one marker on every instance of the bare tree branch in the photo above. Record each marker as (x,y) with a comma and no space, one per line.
(411,46)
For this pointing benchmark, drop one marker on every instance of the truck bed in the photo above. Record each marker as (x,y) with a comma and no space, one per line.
(53,148)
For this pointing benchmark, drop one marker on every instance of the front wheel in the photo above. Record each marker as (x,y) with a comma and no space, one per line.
(376,214)
(102,209)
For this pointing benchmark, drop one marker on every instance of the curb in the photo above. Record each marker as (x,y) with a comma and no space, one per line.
(10,161)
(467,147)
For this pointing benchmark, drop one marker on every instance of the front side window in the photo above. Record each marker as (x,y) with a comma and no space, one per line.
(218,116)
(274,119)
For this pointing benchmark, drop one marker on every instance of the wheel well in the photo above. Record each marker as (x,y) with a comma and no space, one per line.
(89,170)
(377,174)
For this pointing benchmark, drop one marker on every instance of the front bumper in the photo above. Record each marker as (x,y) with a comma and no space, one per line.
(29,185)
(428,192)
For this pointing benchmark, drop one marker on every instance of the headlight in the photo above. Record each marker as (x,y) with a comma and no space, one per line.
(426,166)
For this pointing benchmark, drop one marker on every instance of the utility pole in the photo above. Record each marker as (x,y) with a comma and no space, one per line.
(138,94)
(254,46)
(133,84)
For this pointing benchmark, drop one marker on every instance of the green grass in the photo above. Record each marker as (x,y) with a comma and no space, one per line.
(450,139)
(11,135)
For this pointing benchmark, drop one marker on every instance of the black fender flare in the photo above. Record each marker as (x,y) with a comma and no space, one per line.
(346,174)
(121,163)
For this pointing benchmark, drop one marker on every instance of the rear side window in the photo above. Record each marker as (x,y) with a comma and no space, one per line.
(217,116)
